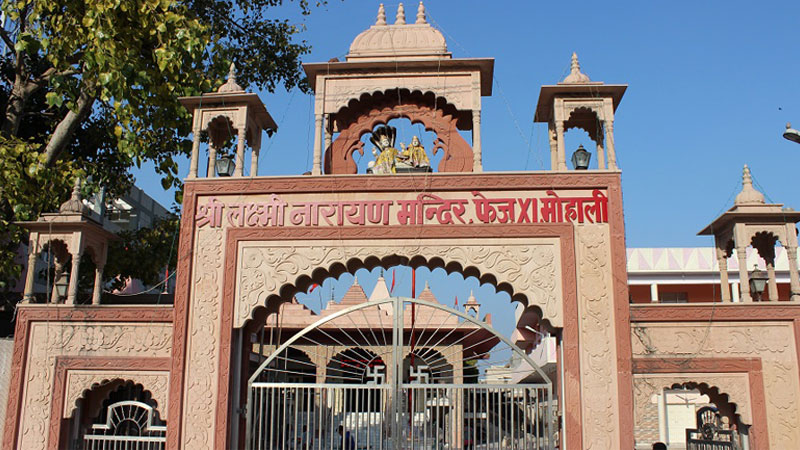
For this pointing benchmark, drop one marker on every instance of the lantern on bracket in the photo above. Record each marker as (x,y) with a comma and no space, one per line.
(581,158)
(758,281)
(225,165)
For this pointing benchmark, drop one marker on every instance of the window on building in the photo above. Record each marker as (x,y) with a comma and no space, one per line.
(673,297)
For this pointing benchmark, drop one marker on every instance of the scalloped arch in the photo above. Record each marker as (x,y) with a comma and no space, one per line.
(157,392)
(370,110)
(265,301)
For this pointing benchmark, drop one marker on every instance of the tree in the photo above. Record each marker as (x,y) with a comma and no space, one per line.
(90,88)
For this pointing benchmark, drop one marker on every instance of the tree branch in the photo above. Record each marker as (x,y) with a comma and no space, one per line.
(65,130)
(6,38)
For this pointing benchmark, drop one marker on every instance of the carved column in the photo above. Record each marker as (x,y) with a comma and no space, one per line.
(73,278)
(256,147)
(612,154)
(195,153)
(791,253)
(317,164)
(29,274)
(212,159)
(744,278)
(240,142)
(551,128)
(562,159)
(328,133)
(477,162)
(794,280)
(772,285)
(601,154)
(58,272)
(98,284)
(722,260)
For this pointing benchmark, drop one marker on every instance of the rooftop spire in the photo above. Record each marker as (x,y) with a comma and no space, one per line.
(381,16)
(400,19)
(231,85)
(749,195)
(421,14)
(74,205)
(575,75)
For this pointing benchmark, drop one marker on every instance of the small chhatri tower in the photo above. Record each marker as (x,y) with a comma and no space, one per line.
(578,102)
(754,222)
(393,71)
(229,113)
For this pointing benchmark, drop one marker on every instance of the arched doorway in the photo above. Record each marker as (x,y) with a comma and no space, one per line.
(397,382)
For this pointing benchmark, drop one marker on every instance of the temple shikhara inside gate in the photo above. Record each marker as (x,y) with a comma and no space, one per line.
(599,349)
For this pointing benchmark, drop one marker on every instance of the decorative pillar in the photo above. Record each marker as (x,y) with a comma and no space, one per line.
(772,285)
(328,133)
(240,141)
(735,292)
(722,260)
(317,164)
(98,283)
(662,416)
(553,146)
(601,154)
(477,162)
(562,159)
(28,293)
(612,154)
(58,272)
(654,293)
(256,147)
(794,279)
(195,153)
(212,159)
(744,278)
(73,278)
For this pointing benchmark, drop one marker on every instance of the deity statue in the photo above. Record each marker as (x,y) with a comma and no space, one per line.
(388,160)
(385,154)
(414,155)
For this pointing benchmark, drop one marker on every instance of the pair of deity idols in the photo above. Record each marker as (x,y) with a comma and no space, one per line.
(389,160)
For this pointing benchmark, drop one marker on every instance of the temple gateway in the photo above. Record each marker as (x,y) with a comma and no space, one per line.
(239,359)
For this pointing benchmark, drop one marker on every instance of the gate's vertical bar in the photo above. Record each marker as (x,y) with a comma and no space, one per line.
(249,412)
(397,342)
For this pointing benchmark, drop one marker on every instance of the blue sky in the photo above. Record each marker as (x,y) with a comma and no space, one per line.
(711,86)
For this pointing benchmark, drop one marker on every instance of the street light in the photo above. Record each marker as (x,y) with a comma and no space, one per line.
(758,280)
(225,165)
(61,286)
(580,158)
(791,134)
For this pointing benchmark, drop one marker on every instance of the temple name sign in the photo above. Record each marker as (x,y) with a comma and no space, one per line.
(424,208)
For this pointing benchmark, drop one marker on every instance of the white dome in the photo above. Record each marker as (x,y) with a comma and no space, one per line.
(383,41)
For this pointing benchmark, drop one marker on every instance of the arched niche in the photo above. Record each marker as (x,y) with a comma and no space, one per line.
(361,116)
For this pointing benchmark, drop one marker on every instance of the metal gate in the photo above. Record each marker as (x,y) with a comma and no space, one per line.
(407,381)
(128,426)
(709,434)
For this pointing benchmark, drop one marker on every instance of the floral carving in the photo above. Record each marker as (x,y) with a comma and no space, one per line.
(598,359)
(530,269)
(204,337)
(87,339)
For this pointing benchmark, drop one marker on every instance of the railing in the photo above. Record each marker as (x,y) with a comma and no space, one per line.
(93,442)
(408,416)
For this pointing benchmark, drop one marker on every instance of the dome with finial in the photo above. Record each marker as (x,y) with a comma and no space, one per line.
(231,85)
(75,204)
(575,75)
(399,40)
(749,195)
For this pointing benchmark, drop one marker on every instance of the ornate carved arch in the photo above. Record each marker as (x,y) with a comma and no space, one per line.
(269,276)
(729,392)
(361,117)
(156,385)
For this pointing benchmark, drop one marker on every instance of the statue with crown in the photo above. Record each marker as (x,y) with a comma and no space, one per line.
(388,159)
